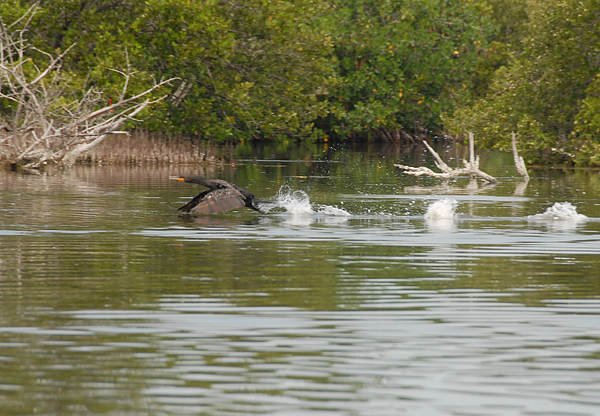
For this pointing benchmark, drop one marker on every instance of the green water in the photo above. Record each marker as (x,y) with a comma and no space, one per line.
(111,303)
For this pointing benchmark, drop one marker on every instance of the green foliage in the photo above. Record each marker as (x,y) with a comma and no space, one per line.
(97,29)
(255,69)
(548,92)
(510,17)
(589,116)
(302,69)
(278,70)
(12,10)
(190,41)
(248,68)
(403,63)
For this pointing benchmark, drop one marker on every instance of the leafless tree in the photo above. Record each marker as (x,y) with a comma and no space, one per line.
(471,167)
(519,161)
(42,118)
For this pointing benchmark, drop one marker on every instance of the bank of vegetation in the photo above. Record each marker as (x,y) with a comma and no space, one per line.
(310,70)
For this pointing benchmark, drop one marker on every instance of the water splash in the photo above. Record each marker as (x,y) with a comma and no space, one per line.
(333,211)
(294,202)
(298,203)
(442,209)
(560,211)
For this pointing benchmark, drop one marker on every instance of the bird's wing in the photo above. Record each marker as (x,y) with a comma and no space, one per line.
(220,200)
(192,204)
(246,194)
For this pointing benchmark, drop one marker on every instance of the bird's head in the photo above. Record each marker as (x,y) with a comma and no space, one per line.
(189,179)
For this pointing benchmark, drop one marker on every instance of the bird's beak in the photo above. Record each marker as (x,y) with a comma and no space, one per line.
(177,178)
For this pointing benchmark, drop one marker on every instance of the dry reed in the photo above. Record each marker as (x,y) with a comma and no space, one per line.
(141,148)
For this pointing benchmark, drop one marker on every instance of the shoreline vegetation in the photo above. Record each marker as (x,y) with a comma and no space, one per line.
(142,148)
(347,71)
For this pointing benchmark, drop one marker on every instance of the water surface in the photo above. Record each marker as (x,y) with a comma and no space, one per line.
(356,298)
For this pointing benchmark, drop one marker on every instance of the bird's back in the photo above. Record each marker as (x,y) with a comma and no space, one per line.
(219,197)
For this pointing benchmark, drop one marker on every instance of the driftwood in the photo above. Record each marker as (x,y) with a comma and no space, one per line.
(44,120)
(471,167)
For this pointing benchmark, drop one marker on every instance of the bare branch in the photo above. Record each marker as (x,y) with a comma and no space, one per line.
(471,168)
(472,149)
(121,103)
(27,15)
(51,66)
(35,143)
(439,162)
(46,121)
(519,162)
(73,154)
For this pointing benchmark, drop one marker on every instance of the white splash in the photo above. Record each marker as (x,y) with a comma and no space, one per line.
(442,209)
(294,202)
(333,211)
(560,211)
(298,203)
(300,211)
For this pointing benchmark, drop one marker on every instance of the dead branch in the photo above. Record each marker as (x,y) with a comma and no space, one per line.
(52,65)
(47,121)
(519,162)
(121,102)
(471,167)
(96,139)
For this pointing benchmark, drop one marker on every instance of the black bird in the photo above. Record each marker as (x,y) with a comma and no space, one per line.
(219,197)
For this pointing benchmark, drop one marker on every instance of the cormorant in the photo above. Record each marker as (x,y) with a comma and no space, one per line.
(219,197)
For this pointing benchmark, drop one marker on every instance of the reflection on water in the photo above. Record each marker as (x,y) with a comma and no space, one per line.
(366,293)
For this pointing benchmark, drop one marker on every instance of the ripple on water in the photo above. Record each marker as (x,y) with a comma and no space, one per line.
(427,352)
(109,305)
